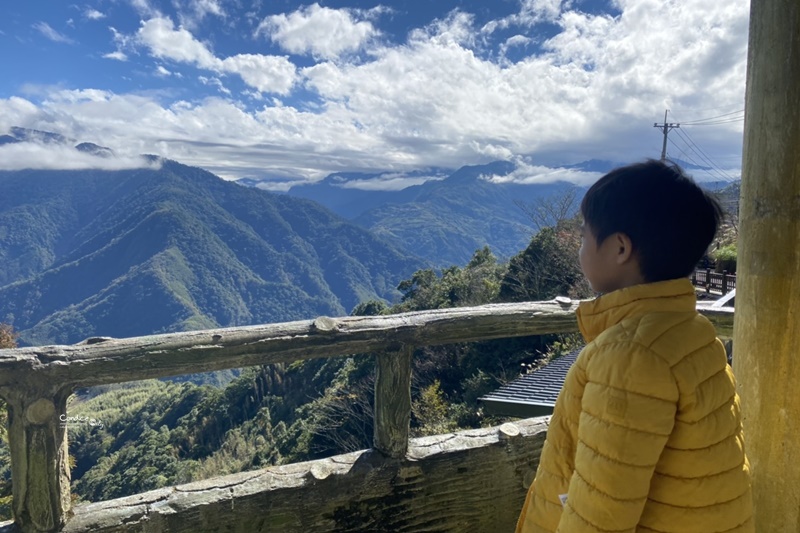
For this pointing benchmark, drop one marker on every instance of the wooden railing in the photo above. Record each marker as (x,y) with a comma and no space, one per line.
(714,281)
(37,381)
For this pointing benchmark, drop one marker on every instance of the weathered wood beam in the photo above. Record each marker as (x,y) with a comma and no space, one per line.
(472,480)
(36,381)
(103,361)
(393,401)
(767,332)
(40,474)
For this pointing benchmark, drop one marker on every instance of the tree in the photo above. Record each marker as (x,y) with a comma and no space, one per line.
(547,268)
(341,420)
(370,308)
(431,412)
(475,284)
(551,211)
(728,198)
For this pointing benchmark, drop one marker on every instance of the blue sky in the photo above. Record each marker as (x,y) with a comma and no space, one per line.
(287,92)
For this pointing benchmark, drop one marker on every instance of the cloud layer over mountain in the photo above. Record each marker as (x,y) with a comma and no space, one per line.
(311,90)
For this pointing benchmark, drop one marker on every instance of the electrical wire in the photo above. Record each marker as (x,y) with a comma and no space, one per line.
(704,155)
(686,156)
(731,121)
(708,163)
(716,118)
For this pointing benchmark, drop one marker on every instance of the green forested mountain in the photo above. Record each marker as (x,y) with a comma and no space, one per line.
(153,434)
(133,252)
(442,220)
(140,251)
(455,212)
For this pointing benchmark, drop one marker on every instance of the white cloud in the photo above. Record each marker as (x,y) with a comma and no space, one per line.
(269,74)
(592,91)
(455,29)
(215,82)
(123,42)
(165,42)
(162,72)
(93,14)
(118,56)
(320,31)
(527,174)
(279,186)
(143,7)
(536,10)
(264,73)
(531,13)
(388,182)
(29,155)
(45,29)
(17,111)
(436,100)
(192,13)
(516,40)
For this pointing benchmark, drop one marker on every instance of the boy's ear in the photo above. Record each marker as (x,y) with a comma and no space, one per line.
(624,248)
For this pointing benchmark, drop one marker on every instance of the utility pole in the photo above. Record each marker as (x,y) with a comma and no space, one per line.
(665,127)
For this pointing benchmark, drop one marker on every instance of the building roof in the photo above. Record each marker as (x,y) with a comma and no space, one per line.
(532,394)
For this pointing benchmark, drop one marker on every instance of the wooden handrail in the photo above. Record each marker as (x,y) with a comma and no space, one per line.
(100,361)
(36,381)
(708,279)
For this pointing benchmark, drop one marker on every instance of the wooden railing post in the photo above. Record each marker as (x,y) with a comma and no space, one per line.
(36,381)
(724,282)
(37,438)
(767,335)
(708,280)
(393,401)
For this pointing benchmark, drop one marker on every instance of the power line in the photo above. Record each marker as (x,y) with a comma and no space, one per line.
(715,118)
(731,121)
(703,110)
(703,156)
(686,156)
(692,160)
(724,118)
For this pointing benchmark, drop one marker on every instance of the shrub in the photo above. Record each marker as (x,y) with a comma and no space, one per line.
(725,258)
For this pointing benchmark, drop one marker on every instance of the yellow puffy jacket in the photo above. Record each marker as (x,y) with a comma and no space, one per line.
(646,435)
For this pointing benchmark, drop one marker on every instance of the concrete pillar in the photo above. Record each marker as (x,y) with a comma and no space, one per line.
(767,323)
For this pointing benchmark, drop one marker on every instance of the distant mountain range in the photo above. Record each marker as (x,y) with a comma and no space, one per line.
(17,135)
(453,213)
(446,218)
(134,252)
(173,247)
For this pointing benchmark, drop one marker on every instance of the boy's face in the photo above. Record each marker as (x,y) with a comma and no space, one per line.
(601,264)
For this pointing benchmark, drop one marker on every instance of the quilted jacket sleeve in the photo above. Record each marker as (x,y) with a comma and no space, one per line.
(627,414)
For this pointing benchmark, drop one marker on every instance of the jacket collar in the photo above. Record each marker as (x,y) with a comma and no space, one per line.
(595,316)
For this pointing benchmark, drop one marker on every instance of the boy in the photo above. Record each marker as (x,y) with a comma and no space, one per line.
(646,435)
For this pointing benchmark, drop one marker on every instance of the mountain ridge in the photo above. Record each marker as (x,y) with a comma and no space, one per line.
(133,252)
(455,212)
(444,220)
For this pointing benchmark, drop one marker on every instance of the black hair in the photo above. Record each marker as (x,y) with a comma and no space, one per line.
(670,220)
